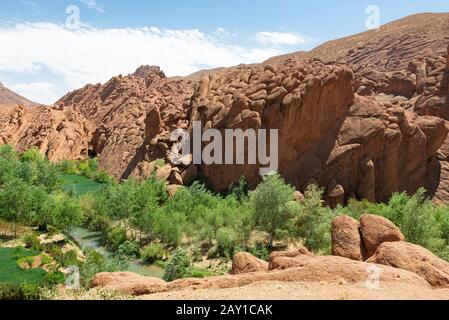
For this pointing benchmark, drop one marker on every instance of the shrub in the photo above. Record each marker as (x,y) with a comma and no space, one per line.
(31,241)
(153,252)
(226,241)
(128,249)
(70,258)
(177,266)
(260,251)
(54,278)
(10,292)
(19,292)
(96,263)
(115,237)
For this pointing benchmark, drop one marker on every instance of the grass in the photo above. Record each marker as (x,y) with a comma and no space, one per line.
(79,185)
(10,271)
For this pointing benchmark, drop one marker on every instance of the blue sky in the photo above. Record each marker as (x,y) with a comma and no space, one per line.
(45,54)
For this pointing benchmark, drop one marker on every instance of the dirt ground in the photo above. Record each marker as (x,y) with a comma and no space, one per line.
(307,291)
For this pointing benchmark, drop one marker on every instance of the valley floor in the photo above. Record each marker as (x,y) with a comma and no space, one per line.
(307,291)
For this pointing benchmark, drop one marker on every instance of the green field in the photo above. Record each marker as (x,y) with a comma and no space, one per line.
(10,272)
(79,185)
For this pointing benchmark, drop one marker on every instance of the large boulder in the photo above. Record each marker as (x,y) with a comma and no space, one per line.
(416,259)
(244,262)
(376,230)
(346,240)
(127,283)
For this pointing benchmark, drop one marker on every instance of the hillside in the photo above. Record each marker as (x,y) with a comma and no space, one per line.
(10,98)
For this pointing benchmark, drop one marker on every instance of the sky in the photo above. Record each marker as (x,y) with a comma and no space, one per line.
(50,47)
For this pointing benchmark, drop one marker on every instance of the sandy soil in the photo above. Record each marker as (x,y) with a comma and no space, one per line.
(307,291)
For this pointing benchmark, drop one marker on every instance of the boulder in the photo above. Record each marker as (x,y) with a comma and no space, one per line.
(127,283)
(164,172)
(414,258)
(346,240)
(172,189)
(376,230)
(244,262)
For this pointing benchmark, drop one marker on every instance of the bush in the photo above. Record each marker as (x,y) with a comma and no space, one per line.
(115,237)
(70,258)
(260,251)
(153,252)
(226,241)
(31,241)
(177,266)
(96,263)
(54,278)
(314,222)
(19,292)
(128,249)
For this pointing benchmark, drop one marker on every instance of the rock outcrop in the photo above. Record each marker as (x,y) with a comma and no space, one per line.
(244,262)
(127,283)
(416,259)
(307,270)
(57,133)
(376,230)
(346,240)
(359,240)
(9,98)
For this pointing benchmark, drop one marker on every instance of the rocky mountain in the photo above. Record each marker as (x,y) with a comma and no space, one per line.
(10,98)
(363,116)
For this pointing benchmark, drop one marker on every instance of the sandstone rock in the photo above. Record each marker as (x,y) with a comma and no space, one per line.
(172,189)
(376,230)
(244,262)
(127,283)
(335,196)
(346,239)
(332,268)
(306,269)
(163,173)
(416,259)
(298,196)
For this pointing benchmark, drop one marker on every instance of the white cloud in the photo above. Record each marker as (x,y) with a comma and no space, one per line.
(92,4)
(49,51)
(281,38)
(36,91)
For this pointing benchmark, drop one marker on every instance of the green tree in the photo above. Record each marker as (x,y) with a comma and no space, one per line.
(67,212)
(176,268)
(272,205)
(15,202)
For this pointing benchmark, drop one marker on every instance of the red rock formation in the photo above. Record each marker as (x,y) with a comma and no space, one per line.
(359,121)
(58,134)
(416,259)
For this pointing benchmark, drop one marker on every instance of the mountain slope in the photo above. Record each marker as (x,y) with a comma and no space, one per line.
(10,98)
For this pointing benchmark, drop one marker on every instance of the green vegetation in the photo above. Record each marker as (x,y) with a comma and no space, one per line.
(177,266)
(12,273)
(137,221)
(79,185)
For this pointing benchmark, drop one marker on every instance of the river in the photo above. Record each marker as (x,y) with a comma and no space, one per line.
(92,240)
